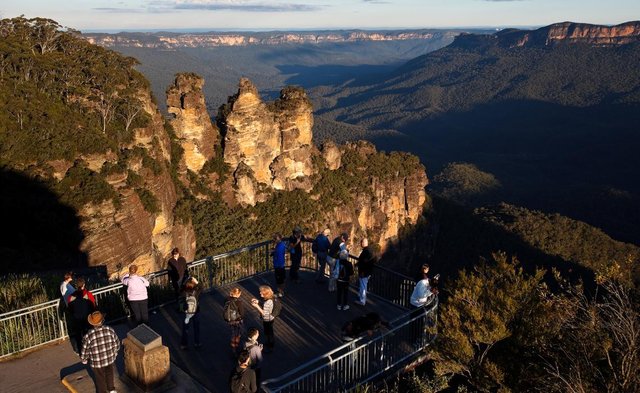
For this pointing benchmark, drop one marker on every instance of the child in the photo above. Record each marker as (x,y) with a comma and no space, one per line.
(255,352)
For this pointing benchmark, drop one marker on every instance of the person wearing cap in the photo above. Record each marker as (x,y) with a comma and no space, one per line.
(323,243)
(100,348)
(295,248)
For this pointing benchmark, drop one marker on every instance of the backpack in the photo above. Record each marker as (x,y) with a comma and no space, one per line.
(81,308)
(190,304)
(230,312)
(314,246)
(277,308)
(235,382)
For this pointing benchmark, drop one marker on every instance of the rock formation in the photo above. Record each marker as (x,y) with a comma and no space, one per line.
(191,121)
(272,142)
(117,236)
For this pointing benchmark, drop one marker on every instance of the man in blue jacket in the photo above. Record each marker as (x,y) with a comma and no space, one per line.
(322,245)
(278,253)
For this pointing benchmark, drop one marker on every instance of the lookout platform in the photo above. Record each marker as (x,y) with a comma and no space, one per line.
(308,327)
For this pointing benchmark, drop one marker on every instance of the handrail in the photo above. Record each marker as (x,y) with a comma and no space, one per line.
(315,366)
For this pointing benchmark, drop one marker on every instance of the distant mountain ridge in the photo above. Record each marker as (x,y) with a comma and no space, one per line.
(557,34)
(166,40)
(556,124)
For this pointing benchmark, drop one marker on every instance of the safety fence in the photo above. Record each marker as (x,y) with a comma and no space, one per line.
(31,327)
(362,360)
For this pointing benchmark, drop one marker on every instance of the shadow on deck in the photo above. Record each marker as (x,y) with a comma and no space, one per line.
(309,326)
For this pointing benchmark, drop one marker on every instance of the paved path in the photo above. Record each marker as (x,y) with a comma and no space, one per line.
(308,327)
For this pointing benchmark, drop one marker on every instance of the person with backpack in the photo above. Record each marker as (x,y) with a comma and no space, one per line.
(137,295)
(243,378)
(81,304)
(365,264)
(320,247)
(344,271)
(255,352)
(278,254)
(233,314)
(190,297)
(338,244)
(269,310)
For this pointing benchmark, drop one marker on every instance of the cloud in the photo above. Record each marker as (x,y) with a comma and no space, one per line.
(232,5)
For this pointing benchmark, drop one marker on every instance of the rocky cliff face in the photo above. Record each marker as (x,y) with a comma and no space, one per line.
(388,201)
(566,33)
(191,122)
(117,236)
(267,146)
(210,40)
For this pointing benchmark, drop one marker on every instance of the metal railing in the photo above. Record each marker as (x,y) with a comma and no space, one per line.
(34,326)
(360,361)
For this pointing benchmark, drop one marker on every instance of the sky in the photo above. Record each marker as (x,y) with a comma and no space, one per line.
(131,15)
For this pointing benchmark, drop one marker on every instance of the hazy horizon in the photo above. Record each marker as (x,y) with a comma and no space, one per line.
(292,15)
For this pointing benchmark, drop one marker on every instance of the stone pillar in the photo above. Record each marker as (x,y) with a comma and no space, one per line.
(146,360)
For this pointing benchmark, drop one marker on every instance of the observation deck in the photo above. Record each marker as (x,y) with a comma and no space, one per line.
(309,355)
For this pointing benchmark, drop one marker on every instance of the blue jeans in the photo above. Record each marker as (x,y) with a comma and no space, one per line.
(322,265)
(362,290)
(195,321)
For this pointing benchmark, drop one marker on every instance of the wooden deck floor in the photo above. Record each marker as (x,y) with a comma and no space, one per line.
(309,326)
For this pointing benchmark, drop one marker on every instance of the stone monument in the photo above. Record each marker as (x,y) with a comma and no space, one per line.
(146,360)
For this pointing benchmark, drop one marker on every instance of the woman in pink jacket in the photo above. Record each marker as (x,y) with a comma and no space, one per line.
(137,295)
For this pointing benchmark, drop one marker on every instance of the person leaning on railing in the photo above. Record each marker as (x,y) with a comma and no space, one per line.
(137,295)
(177,267)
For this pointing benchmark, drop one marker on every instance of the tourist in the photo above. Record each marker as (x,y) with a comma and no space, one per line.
(344,271)
(322,243)
(278,254)
(233,314)
(81,304)
(66,289)
(421,294)
(365,264)
(137,295)
(177,267)
(368,324)
(190,304)
(243,378)
(338,244)
(295,250)
(255,352)
(266,310)
(100,348)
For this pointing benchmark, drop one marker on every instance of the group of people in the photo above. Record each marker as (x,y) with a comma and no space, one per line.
(332,254)
(98,344)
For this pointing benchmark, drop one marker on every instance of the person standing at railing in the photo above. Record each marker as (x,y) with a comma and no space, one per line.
(365,263)
(177,267)
(100,348)
(322,245)
(295,249)
(344,271)
(81,304)
(66,289)
(278,254)
(422,291)
(266,293)
(137,295)
(338,244)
